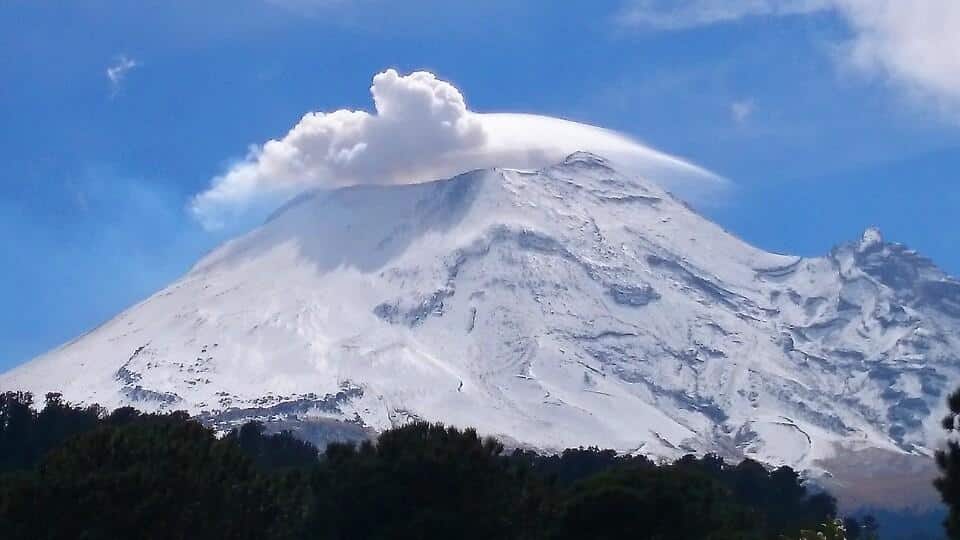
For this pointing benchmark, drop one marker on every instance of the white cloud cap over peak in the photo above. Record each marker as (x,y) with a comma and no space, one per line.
(913,43)
(421,129)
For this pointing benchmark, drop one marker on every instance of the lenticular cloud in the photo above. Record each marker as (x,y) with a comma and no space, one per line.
(421,129)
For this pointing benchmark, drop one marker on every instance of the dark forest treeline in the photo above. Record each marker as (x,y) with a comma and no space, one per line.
(83,473)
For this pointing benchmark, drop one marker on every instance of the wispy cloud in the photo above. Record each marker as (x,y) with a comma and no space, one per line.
(682,14)
(741,110)
(421,129)
(117,72)
(913,44)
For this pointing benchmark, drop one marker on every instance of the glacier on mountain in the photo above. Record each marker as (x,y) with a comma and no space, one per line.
(554,308)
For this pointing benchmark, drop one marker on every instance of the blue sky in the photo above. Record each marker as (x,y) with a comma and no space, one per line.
(814,113)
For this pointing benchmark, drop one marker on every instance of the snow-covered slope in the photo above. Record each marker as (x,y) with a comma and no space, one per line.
(562,307)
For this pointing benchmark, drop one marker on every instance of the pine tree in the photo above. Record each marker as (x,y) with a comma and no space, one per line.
(948,460)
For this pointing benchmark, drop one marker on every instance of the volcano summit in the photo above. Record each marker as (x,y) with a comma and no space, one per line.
(566,306)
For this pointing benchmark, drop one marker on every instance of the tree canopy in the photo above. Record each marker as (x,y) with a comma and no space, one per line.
(78,472)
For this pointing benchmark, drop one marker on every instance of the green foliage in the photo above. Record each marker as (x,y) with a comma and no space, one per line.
(159,477)
(424,481)
(79,473)
(280,451)
(26,435)
(655,503)
(948,461)
(575,463)
(830,530)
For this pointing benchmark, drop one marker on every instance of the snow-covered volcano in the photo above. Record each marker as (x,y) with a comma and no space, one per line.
(561,307)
